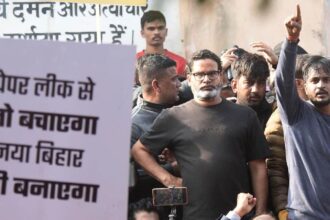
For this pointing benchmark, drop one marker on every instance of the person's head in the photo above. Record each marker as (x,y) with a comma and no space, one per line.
(153,28)
(158,79)
(205,76)
(299,79)
(302,55)
(278,47)
(143,210)
(300,84)
(316,74)
(250,73)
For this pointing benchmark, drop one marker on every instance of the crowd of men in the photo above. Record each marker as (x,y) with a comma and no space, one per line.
(212,125)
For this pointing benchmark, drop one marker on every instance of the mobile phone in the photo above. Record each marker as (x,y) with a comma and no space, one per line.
(170,196)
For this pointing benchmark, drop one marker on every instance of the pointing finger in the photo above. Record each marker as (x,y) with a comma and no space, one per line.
(298,13)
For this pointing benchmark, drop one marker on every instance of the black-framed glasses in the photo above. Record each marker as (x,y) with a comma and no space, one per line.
(213,74)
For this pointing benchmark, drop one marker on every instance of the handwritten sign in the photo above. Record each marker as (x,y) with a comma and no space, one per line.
(65,128)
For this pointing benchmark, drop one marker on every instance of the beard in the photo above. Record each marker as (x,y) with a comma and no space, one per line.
(208,94)
(320,103)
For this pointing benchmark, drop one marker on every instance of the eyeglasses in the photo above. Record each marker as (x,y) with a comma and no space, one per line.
(213,74)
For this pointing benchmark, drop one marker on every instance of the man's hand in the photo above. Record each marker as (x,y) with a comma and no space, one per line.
(266,51)
(293,26)
(228,57)
(171,181)
(144,157)
(245,203)
(166,156)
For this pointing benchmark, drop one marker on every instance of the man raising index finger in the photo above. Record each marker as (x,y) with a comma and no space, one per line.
(306,126)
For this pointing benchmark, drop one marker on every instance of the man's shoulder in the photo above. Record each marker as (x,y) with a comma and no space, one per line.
(136,112)
(237,107)
(184,108)
(181,106)
(174,56)
(139,54)
(141,111)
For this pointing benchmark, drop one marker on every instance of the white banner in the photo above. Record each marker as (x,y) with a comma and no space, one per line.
(65,21)
(65,129)
(82,22)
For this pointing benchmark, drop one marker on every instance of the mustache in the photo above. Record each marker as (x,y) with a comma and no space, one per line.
(207,87)
(253,95)
(321,92)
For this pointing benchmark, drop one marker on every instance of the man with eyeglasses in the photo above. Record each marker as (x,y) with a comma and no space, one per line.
(217,144)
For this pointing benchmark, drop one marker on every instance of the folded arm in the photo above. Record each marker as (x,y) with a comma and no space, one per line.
(143,156)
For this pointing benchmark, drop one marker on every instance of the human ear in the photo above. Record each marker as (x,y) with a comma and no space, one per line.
(234,85)
(155,85)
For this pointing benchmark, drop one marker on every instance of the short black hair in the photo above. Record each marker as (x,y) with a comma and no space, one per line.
(315,62)
(278,47)
(253,66)
(152,66)
(202,55)
(144,204)
(150,16)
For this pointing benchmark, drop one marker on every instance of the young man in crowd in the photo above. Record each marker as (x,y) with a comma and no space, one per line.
(154,31)
(276,164)
(306,128)
(250,73)
(219,146)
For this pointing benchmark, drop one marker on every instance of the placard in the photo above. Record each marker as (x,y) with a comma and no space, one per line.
(65,130)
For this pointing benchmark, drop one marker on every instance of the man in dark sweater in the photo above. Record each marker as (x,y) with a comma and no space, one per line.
(306,126)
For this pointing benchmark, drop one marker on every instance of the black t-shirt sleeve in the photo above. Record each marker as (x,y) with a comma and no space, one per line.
(136,132)
(160,134)
(257,144)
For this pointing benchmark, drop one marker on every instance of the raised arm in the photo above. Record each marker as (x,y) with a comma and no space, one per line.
(287,95)
(266,51)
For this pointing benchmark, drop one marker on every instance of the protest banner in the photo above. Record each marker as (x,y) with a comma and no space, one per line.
(85,22)
(65,130)
(69,21)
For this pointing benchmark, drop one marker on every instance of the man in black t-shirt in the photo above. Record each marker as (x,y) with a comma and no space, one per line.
(160,88)
(215,142)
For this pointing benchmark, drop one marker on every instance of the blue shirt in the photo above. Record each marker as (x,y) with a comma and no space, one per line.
(307,142)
